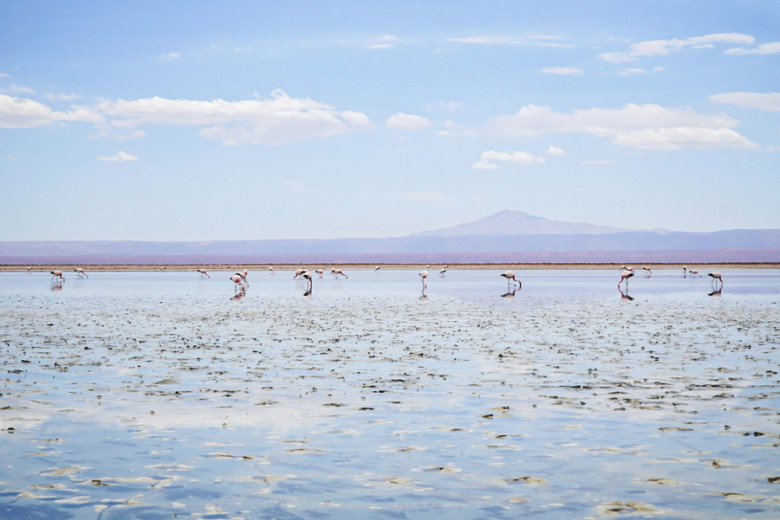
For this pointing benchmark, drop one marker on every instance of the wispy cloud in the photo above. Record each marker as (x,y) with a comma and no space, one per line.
(554,150)
(766,48)
(763,101)
(60,97)
(534,40)
(651,127)
(386,41)
(665,47)
(401,121)
(170,56)
(563,71)
(444,106)
(13,88)
(488,159)
(118,157)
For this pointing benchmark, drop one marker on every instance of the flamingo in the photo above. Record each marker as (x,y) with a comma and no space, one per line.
(424,277)
(649,272)
(510,277)
(203,273)
(319,272)
(236,278)
(694,272)
(625,274)
(80,272)
(377,268)
(715,275)
(306,275)
(271,268)
(685,271)
(57,274)
(299,272)
(337,272)
(243,276)
(442,271)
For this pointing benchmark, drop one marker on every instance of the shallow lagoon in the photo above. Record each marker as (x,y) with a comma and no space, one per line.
(154,394)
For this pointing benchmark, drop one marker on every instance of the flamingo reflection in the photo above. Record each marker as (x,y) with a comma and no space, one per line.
(509,295)
(624,295)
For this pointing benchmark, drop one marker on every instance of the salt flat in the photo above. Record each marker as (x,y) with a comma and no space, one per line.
(148,395)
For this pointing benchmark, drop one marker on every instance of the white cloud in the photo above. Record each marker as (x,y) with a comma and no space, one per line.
(766,48)
(444,106)
(486,159)
(683,137)
(386,41)
(118,157)
(13,88)
(424,196)
(60,97)
(26,113)
(278,118)
(638,126)
(666,47)
(170,56)
(294,185)
(563,71)
(402,121)
(763,101)
(554,150)
(536,40)
(632,71)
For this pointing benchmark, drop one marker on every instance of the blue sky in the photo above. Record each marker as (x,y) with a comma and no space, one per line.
(259,120)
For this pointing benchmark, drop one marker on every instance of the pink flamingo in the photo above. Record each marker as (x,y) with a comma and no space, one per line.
(80,272)
(625,274)
(510,277)
(649,272)
(203,273)
(337,272)
(715,275)
(236,278)
(57,274)
(424,277)
(243,276)
(299,272)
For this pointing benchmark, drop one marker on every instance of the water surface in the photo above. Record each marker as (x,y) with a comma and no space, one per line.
(153,394)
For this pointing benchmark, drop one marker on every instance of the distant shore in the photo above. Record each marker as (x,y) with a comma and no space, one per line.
(471,266)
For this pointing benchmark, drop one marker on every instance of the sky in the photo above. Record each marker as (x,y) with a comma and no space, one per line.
(244,120)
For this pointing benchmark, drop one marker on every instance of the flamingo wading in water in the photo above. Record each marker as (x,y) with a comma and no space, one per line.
(337,272)
(57,274)
(203,273)
(625,274)
(510,278)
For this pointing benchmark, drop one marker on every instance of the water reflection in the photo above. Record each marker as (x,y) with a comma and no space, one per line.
(624,295)
(510,294)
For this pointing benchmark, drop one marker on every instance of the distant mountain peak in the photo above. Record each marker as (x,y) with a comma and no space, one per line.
(511,222)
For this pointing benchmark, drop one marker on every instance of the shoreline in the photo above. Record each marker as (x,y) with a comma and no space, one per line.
(357,266)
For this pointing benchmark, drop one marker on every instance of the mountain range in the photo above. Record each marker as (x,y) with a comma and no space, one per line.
(505,237)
